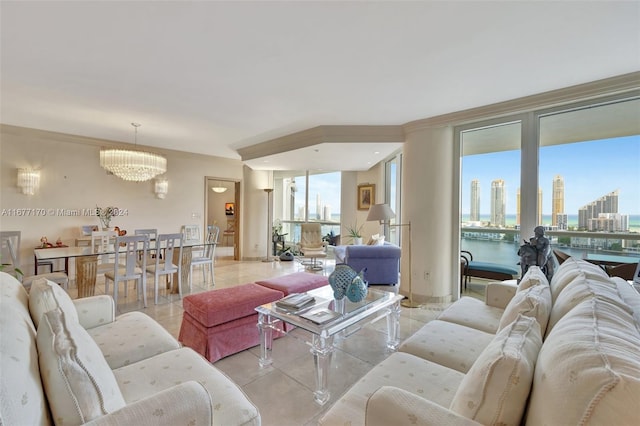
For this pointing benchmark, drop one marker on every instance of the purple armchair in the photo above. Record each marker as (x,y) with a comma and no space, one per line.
(382,262)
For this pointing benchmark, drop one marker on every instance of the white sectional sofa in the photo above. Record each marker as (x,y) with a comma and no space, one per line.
(72,362)
(564,353)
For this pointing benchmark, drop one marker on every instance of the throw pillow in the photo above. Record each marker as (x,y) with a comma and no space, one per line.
(534,276)
(533,302)
(373,240)
(496,388)
(78,383)
(46,295)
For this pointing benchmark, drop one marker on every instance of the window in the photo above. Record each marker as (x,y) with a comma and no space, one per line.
(301,196)
(490,191)
(573,169)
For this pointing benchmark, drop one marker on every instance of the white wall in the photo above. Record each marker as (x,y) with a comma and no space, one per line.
(428,199)
(71,178)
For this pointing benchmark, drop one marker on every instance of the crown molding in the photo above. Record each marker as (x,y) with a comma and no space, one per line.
(323,134)
(606,87)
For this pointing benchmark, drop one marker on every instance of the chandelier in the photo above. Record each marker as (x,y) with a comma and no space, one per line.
(132,165)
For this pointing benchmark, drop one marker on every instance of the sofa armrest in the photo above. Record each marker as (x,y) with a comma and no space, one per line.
(394,406)
(186,403)
(94,311)
(499,294)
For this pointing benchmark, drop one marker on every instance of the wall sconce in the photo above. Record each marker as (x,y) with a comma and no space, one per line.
(28,181)
(161,187)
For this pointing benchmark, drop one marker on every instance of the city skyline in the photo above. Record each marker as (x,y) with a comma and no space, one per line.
(589,169)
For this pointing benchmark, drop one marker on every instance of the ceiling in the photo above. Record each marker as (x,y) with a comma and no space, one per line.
(215,77)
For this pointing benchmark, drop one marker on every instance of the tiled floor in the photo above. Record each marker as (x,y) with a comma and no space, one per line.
(283,392)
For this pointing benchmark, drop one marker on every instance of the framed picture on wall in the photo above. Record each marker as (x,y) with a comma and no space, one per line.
(229,209)
(366,196)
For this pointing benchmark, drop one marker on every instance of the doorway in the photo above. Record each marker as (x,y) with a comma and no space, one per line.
(222,200)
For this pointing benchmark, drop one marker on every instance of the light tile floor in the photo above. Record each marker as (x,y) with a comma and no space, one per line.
(283,392)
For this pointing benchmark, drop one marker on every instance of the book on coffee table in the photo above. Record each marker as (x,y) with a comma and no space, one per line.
(320,316)
(295,301)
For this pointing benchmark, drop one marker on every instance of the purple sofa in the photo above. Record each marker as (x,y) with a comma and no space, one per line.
(382,262)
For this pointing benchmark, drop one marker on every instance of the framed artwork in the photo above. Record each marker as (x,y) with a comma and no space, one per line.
(366,196)
(229,209)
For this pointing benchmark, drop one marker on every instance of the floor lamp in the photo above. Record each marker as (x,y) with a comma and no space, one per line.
(268,257)
(383,214)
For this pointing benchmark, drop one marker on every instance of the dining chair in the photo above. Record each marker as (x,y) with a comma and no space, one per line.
(169,243)
(102,244)
(208,257)
(129,247)
(152,233)
(10,251)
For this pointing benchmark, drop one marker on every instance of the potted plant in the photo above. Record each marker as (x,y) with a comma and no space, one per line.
(355,232)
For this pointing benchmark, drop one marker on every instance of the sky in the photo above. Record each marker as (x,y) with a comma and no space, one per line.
(590,170)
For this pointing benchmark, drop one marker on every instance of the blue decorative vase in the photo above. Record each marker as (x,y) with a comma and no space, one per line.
(340,279)
(357,289)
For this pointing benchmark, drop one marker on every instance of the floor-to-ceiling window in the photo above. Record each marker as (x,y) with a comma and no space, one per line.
(490,190)
(393,196)
(572,169)
(306,196)
(590,176)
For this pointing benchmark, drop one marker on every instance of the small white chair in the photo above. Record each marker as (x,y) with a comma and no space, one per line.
(169,243)
(208,258)
(129,246)
(10,250)
(102,243)
(153,236)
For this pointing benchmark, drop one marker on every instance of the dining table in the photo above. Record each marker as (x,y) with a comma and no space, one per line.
(86,263)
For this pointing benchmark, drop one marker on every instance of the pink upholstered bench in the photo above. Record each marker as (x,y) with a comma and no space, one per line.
(222,322)
(298,282)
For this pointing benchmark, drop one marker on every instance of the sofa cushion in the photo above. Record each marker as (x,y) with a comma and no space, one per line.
(533,276)
(496,388)
(78,383)
(448,344)
(227,304)
(405,371)
(578,290)
(298,282)
(588,370)
(46,295)
(571,268)
(533,302)
(150,376)
(130,338)
(474,313)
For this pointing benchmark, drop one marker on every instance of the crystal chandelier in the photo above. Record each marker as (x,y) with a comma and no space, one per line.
(131,165)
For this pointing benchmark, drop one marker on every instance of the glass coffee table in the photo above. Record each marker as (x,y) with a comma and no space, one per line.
(325,319)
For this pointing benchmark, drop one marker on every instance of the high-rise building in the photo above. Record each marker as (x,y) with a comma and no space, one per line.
(498,203)
(605,204)
(540,206)
(557,200)
(475,201)
(318,207)
(518,207)
(562,220)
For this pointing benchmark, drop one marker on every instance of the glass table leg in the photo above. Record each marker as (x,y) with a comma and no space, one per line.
(322,350)
(393,327)
(266,339)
